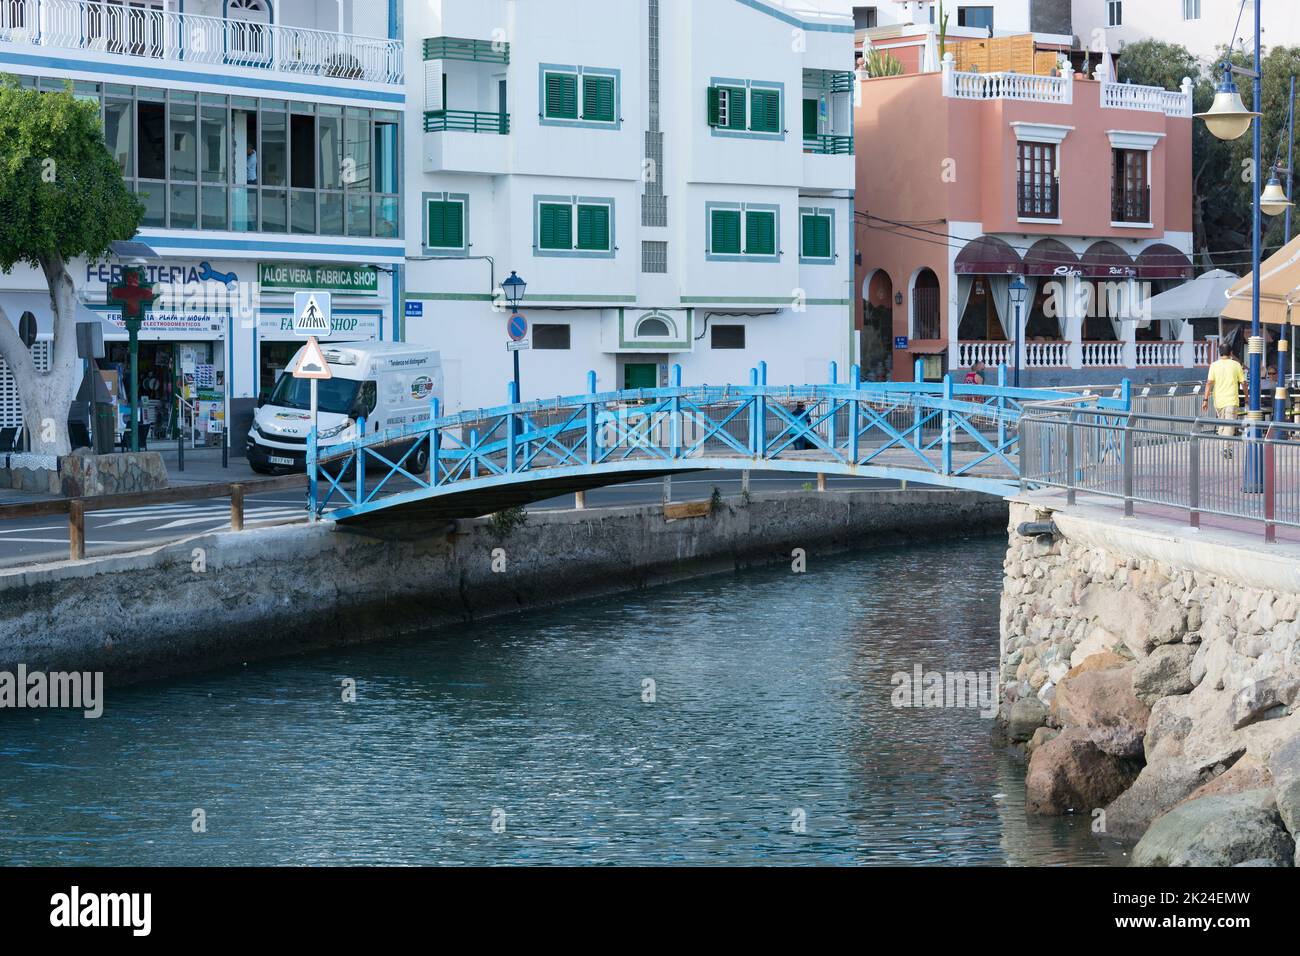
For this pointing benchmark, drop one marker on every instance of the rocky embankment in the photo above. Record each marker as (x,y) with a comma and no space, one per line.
(1155,696)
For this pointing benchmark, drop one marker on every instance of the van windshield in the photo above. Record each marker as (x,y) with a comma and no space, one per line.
(335,395)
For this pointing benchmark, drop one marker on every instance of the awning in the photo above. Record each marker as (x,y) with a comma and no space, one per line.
(38,304)
(988,255)
(1279,283)
(1105,260)
(1051,257)
(1163,261)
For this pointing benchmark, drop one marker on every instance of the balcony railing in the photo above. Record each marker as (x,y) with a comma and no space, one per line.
(1130,205)
(1007,86)
(1126,96)
(197,40)
(826,144)
(1103,354)
(925,314)
(1038,200)
(1047,354)
(991,354)
(1151,354)
(477,51)
(466,121)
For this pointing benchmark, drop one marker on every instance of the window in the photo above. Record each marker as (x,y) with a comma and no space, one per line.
(727,337)
(1130,194)
(742,232)
(1037,191)
(753,107)
(1191,9)
(551,337)
(864,18)
(979,17)
(654,257)
(578,96)
(760,233)
(653,327)
(725,231)
(445,223)
(575,227)
(561,96)
(815,235)
(1114,13)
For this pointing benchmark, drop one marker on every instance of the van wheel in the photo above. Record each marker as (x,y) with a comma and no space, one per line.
(420,460)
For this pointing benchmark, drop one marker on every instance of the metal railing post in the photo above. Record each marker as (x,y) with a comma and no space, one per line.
(947,424)
(831,430)
(435,442)
(1070,460)
(361,460)
(1127,456)
(511,423)
(1194,481)
(1002,409)
(1270,487)
(753,414)
(591,418)
(472,452)
(855,412)
(675,426)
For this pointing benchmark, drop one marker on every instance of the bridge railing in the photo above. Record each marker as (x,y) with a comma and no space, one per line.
(1167,464)
(963,434)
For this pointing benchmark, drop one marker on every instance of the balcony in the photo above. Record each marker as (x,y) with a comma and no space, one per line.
(1038,200)
(826,144)
(1063,89)
(473,51)
(195,40)
(1129,205)
(466,121)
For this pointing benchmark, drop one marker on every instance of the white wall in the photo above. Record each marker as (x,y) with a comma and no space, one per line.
(1164,20)
(1009,16)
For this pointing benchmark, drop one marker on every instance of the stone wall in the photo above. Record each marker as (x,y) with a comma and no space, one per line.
(83,473)
(229,597)
(1154,677)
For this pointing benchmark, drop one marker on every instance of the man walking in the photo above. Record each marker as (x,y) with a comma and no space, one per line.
(1224,383)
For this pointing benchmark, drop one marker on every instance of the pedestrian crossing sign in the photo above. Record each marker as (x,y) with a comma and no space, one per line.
(312,313)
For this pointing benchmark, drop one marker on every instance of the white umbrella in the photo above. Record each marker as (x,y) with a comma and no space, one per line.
(1201,298)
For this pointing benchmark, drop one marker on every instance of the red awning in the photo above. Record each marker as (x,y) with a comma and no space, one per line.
(1105,260)
(1163,261)
(1051,257)
(988,255)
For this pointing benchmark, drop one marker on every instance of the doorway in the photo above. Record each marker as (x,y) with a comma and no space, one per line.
(640,375)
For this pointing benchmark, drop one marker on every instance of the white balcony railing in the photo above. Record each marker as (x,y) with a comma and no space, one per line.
(1006,86)
(1047,354)
(1159,353)
(193,39)
(1126,96)
(1103,354)
(1201,353)
(991,354)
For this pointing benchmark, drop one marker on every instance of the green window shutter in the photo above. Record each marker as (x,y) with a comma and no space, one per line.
(715,106)
(593,228)
(726,232)
(561,96)
(809,118)
(760,234)
(555,228)
(446,225)
(765,111)
(736,108)
(816,237)
(598,99)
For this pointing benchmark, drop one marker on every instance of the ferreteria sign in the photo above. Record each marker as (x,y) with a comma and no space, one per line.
(298,276)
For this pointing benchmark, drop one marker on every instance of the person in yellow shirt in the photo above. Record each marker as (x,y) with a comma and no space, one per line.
(1224,384)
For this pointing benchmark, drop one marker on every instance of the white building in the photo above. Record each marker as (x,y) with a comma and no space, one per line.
(672,178)
(315,89)
(1202,26)
(991,17)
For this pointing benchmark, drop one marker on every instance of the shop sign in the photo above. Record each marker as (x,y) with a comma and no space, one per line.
(364,326)
(165,322)
(333,277)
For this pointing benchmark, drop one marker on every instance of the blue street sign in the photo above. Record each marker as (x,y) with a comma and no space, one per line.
(517,328)
(900,341)
(415,310)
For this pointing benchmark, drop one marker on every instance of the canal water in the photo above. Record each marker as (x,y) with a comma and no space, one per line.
(768,736)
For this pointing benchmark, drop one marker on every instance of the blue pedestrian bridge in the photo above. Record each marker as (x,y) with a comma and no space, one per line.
(483,461)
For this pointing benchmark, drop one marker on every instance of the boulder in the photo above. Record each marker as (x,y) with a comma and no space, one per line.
(1165,672)
(1101,661)
(1159,786)
(1027,715)
(1069,772)
(1248,773)
(1170,723)
(1041,736)
(1102,704)
(1217,831)
(1284,766)
(1098,641)
(1263,699)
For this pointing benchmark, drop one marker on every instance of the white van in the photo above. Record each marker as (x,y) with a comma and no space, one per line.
(388,383)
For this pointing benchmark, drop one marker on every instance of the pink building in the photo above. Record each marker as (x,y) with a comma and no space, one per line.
(1081,186)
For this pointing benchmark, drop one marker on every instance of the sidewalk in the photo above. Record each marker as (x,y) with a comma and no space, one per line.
(203,465)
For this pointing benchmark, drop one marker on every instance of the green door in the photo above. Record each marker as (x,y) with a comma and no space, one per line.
(640,375)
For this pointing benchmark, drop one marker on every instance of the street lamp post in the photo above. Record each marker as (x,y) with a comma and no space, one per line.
(1018,290)
(514,287)
(1229,119)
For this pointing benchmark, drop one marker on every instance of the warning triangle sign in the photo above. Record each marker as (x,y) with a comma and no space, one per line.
(312,362)
(312,318)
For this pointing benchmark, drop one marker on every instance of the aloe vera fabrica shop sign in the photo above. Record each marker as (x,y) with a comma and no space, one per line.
(358,280)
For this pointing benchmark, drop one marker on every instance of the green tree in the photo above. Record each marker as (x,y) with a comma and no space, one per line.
(61,197)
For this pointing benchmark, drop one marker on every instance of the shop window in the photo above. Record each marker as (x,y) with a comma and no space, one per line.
(551,337)
(151,140)
(727,337)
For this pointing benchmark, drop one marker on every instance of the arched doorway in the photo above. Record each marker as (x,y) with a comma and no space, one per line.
(926,320)
(877,358)
(248,30)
